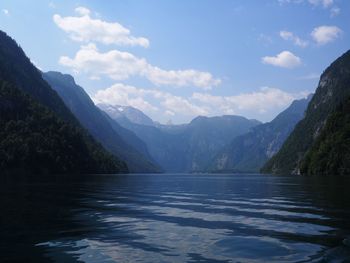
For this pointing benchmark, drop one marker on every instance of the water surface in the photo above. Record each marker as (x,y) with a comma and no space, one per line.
(174,218)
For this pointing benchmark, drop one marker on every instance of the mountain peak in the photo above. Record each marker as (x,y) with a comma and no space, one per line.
(333,90)
(58,75)
(130,113)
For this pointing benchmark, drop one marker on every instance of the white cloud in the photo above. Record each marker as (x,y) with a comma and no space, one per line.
(261,101)
(262,104)
(325,34)
(83,28)
(290,1)
(189,77)
(335,11)
(324,3)
(183,106)
(120,94)
(285,59)
(169,113)
(6,12)
(120,65)
(286,35)
(83,11)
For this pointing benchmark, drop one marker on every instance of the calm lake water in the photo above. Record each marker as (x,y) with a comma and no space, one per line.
(175,218)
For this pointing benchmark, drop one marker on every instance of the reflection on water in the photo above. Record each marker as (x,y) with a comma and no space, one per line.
(174,218)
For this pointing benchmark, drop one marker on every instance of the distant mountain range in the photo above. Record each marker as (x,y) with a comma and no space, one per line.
(250,151)
(320,143)
(182,148)
(50,125)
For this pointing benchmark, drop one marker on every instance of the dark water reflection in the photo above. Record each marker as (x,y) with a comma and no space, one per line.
(174,218)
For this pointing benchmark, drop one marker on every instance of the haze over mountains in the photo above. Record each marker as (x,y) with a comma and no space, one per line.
(187,147)
(250,151)
(50,125)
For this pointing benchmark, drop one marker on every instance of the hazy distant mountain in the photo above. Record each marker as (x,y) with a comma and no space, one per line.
(249,152)
(189,147)
(320,143)
(112,136)
(38,132)
(132,114)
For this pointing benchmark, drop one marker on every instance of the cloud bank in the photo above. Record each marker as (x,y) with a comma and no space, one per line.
(83,28)
(119,65)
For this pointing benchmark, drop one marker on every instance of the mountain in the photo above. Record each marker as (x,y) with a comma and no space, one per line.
(249,152)
(318,140)
(189,147)
(330,154)
(111,135)
(126,113)
(38,132)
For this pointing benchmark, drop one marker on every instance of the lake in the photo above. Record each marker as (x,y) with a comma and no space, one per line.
(175,218)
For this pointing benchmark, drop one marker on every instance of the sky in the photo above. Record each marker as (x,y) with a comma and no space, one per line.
(175,60)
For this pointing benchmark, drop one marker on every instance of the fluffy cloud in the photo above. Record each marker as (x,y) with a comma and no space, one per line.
(120,65)
(6,12)
(83,11)
(262,101)
(325,34)
(120,94)
(286,35)
(83,28)
(285,59)
(260,104)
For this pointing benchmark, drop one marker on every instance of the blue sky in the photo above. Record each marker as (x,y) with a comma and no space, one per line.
(175,60)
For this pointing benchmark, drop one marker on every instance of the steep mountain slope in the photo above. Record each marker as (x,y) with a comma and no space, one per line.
(112,136)
(249,152)
(34,140)
(204,137)
(330,154)
(17,69)
(38,130)
(332,91)
(188,148)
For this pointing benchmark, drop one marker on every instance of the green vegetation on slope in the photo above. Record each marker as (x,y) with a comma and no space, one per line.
(330,154)
(38,132)
(333,90)
(34,140)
